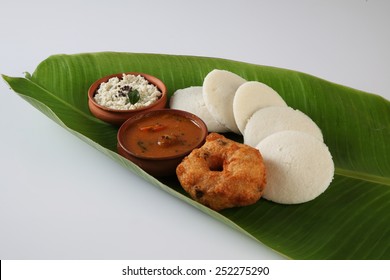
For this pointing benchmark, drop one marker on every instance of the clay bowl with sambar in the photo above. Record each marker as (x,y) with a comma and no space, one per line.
(109,112)
(157,141)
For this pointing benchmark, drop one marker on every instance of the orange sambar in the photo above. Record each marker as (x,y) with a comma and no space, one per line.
(162,135)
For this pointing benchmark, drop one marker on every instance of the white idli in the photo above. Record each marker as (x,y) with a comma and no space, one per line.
(191,100)
(250,97)
(299,167)
(219,88)
(269,120)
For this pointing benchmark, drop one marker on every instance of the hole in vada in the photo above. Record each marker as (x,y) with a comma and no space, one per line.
(218,168)
(215,164)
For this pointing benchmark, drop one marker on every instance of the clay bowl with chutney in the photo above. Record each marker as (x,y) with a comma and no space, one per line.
(115,102)
(157,141)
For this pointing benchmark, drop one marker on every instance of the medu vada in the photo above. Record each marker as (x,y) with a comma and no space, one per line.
(223,173)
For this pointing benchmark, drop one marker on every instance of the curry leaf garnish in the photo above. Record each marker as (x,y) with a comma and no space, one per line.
(133,96)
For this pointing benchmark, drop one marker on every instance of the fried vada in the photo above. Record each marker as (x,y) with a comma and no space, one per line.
(223,173)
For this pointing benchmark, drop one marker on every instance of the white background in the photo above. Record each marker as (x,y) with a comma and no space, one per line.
(62,199)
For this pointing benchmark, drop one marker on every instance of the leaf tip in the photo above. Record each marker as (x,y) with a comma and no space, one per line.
(5,77)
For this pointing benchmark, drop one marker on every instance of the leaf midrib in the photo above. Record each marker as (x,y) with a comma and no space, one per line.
(363,176)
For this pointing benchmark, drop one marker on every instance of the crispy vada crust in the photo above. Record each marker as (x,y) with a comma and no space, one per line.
(223,173)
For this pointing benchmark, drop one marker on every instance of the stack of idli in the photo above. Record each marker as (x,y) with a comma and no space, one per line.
(298,162)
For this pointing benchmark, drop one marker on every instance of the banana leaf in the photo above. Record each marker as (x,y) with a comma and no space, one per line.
(351,220)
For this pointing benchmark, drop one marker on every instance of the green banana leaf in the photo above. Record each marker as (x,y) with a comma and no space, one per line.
(351,220)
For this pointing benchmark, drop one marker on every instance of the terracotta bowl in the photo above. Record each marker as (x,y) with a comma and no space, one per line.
(117,117)
(161,165)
